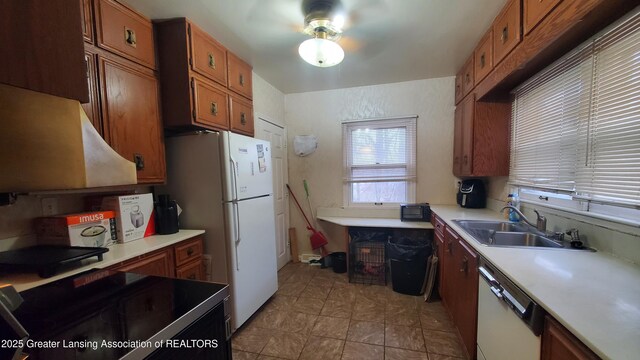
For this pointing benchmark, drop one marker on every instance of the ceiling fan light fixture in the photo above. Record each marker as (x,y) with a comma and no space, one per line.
(321,52)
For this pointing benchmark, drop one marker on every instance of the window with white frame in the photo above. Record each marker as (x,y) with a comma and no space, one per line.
(379,161)
(575,141)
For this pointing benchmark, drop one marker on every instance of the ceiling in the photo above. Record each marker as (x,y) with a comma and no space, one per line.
(385,41)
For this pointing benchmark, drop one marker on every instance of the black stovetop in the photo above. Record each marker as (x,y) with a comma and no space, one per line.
(100,305)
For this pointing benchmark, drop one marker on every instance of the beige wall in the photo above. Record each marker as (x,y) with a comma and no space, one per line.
(268,102)
(321,113)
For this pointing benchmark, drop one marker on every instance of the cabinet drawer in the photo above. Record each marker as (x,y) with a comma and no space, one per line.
(239,76)
(125,32)
(535,11)
(188,251)
(159,263)
(241,115)
(467,77)
(208,58)
(191,271)
(483,57)
(210,105)
(507,31)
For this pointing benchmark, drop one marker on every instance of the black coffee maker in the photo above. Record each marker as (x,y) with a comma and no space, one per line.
(166,215)
(472,194)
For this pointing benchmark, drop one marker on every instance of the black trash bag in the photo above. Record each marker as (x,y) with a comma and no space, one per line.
(408,249)
(369,234)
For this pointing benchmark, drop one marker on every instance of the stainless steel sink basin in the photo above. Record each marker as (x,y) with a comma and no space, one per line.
(521,239)
(502,233)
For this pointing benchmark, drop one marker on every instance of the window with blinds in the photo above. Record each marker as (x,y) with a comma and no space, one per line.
(576,125)
(379,161)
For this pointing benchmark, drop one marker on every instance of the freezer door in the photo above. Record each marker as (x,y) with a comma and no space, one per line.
(252,244)
(249,167)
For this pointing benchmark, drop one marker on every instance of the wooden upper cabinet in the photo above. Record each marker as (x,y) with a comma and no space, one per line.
(457,141)
(467,146)
(507,30)
(467,76)
(87,20)
(559,344)
(42,47)
(483,57)
(124,32)
(208,57)
(458,86)
(535,11)
(240,77)
(92,108)
(241,115)
(131,116)
(210,105)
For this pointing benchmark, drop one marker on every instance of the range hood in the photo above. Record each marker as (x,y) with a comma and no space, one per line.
(48,143)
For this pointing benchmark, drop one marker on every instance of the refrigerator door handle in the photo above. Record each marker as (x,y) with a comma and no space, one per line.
(237,242)
(234,178)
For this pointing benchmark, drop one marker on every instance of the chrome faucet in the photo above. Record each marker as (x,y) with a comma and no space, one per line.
(541,221)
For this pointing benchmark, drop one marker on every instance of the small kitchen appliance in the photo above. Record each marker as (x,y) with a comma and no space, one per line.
(166,215)
(415,212)
(472,194)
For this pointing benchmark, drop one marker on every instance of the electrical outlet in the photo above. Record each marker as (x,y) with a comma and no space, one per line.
(49,206)
(456,184)
(206,260)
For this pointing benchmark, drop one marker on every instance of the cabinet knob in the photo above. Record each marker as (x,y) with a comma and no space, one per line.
(214,108)
(464,267)
(465,159)
(241,80)
(483,60)
(212,61)
(138,159)
(450,247)
(130,37)
(189,251)
(505,34)
(243,119)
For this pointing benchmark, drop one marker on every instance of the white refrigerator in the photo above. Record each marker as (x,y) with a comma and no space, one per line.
(223,183)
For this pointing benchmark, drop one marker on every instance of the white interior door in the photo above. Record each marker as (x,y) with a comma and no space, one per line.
(276,134)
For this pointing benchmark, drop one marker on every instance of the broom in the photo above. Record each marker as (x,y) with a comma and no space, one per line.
(317,238)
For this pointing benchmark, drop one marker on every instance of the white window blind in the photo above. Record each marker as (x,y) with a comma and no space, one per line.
(546,115)
(610,170)
(576,125)
(379,161)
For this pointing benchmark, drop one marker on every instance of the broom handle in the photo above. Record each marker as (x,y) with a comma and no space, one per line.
(299,207)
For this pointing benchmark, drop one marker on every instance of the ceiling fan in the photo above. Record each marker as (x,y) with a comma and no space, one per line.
(334,26)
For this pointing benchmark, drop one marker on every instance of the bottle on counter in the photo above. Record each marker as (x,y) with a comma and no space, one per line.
(513,200)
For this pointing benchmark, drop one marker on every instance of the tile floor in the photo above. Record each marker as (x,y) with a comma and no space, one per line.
(318,314)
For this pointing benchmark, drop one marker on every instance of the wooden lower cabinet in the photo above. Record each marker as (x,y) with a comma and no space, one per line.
(159,263)
(182,260)
(459,286)
(559,344)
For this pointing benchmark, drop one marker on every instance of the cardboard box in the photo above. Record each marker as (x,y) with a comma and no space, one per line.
(134,215)
(94,229)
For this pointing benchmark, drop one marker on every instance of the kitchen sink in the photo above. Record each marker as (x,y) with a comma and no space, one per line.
(508,234)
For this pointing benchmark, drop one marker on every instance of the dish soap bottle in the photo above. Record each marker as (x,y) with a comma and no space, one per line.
(515,202)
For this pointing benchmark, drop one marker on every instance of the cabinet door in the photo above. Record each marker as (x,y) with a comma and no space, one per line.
(507,31)
(458,90)
(92,108)
(440,245)
(241,115)
(42,47)
(559,344)
(131,117)
(483,57)
(240,77)
(535,11)
(87,20)
(457,141)
(449,276)
(210,106)
(468,112)
(467,76)
(191,271)
(466,307)
(125,32)
(157,264)
(208,58)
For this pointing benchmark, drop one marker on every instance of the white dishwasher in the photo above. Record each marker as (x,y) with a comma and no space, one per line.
(509,321)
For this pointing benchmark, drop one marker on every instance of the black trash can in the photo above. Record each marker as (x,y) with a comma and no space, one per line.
(408,263)
(339,262)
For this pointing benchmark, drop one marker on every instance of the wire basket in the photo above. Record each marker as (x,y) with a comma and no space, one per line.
(367,263)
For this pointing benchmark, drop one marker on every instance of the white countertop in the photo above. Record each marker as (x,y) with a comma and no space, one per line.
(376,222)
(117,253)
(593,294)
